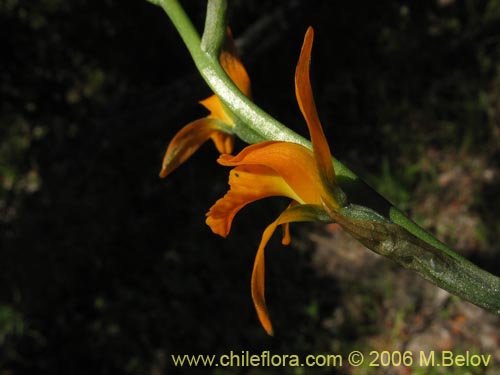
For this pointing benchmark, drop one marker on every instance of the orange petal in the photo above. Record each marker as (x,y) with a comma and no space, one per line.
(233,66)
(258,281)
(307,106)
(293,162)
(224,142)
(293,214)
(190,138)
(248,184)
(217,109)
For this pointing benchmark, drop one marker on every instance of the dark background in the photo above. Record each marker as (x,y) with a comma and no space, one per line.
(107,269)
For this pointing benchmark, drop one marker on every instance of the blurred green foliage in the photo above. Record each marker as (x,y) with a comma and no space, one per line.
(106,269)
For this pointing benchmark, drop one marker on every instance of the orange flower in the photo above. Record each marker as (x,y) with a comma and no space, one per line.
(281,169)
(217,125)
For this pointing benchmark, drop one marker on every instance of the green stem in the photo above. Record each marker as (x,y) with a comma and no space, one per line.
(263,125)
(256,125)
(215,26)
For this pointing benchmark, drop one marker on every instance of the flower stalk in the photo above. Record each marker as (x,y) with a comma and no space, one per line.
(366,215)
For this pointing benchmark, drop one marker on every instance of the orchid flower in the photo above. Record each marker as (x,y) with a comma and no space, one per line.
(281,169)
(217,125)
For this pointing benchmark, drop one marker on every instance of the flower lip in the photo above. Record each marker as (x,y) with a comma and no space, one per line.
(248,183)
(293,162)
